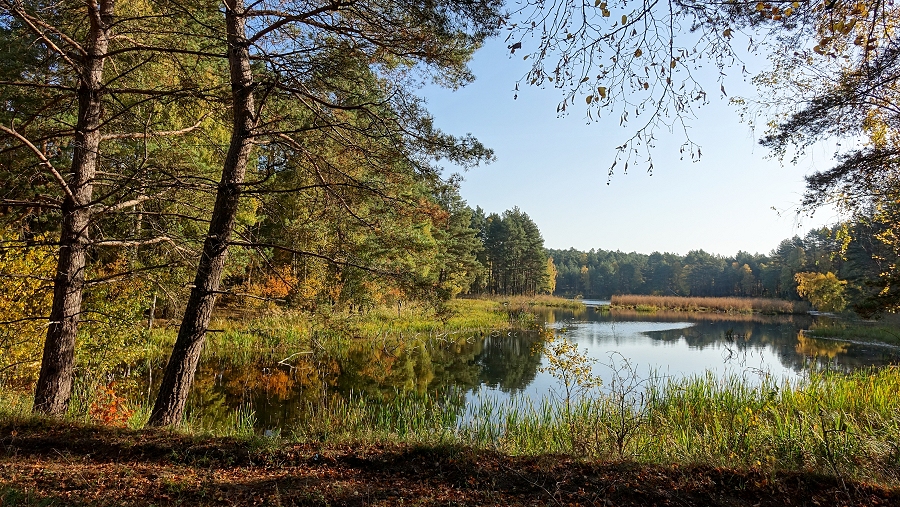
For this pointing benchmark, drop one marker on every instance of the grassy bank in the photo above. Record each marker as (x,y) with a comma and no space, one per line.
(886,330)
(708,304)
(536,301)
(266,344)
(829,423)
(275,335)
(845,426)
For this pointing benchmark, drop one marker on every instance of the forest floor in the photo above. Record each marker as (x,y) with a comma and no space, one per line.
(43,463)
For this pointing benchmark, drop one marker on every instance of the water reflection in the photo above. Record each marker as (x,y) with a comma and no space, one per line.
(283,393)
(508,364)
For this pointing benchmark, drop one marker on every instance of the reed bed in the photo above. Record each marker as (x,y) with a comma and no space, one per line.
(828,422)
(842,424)
(708,304)
(848,425)
(677,316)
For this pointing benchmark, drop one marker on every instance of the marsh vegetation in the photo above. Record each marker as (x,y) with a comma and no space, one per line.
(708,304)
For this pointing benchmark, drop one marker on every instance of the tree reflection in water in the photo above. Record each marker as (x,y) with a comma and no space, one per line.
(286,393)
(449,367)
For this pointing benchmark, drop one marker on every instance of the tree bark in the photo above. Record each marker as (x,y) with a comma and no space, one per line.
(54,386)
(169,406)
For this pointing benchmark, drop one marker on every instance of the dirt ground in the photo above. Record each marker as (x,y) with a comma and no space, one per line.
(64,464)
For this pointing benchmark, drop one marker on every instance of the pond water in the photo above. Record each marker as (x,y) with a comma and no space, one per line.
(502,365)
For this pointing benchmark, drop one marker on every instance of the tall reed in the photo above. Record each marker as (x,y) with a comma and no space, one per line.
(828,422)
(708,304)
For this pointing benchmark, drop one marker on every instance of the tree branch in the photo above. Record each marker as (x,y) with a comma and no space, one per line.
(247,244)
(44,160)
(145,135)
(133,243)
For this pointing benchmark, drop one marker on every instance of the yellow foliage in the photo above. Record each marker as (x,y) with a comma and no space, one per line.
(812,347)
(26,274)
(109,333)
(824,291)
(572,366)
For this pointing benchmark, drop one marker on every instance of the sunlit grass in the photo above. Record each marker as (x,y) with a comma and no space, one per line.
(886,330)
(844,424)
(538,300)
(15,403)
(707,304)
(834,423)
(827,422)
(277,335)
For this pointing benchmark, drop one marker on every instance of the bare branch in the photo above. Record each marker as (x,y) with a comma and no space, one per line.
(331,260)
(109,278)
(287,18)
(165,50)
(23,319)
(44,160)
(134,243)
(122,205)
(38,85)
(30,204)
(33,23)
(145,135)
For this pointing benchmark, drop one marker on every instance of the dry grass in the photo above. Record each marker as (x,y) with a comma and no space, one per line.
(708,304)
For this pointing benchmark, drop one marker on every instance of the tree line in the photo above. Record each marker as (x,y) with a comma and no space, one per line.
(850,252)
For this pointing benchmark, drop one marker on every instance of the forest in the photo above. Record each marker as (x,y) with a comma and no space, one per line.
(851,252)
(202,199)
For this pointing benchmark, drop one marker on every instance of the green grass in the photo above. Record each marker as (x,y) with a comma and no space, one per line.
(13,496)
(15,404)
(275,336)
(837,424)
(847,425)
(540,301)
(843,424)
(833,423)
(886,330)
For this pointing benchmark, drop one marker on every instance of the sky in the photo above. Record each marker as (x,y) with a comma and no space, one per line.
(735,198)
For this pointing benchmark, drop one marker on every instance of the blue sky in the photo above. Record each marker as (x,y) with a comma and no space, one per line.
(555,169)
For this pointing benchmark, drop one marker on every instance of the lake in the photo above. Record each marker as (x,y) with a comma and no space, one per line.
(627,345)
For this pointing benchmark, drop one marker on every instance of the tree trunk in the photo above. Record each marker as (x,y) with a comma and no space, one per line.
(54,386)
(182,365)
